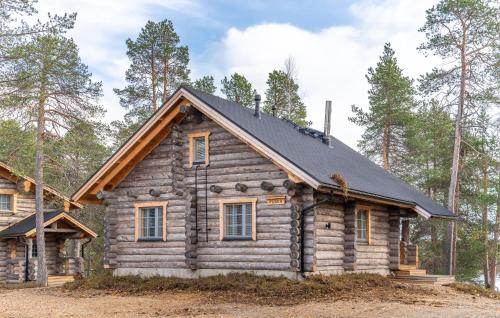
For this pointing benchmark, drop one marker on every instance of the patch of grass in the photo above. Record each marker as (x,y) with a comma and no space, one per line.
(18,286)
(476,290)
(259,289)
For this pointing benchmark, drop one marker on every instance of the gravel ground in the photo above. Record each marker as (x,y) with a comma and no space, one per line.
(55,302)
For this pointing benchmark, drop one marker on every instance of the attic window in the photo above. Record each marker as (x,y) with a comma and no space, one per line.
(198,148)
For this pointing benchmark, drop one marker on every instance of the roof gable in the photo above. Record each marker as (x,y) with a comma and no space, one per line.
(303,157)
(27,226)
(28,185)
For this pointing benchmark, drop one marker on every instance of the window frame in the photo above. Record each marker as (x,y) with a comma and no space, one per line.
(368,210)
(150,204)
(13,200)
(192,137)
(222,204)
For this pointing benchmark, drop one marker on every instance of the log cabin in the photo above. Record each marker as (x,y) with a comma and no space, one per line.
(18,248)
(208,187)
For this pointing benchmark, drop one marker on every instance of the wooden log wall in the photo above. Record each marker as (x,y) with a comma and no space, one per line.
(232,162)
(350,244)
(3,260)
(193,240)
(329,238)
(167,169)
(25,203)
(375,257)
(394,237)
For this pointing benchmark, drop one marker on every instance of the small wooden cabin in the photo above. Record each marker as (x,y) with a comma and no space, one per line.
(207,186)
(18,249)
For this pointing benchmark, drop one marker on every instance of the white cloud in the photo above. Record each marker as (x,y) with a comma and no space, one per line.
(102,26)
(332,63)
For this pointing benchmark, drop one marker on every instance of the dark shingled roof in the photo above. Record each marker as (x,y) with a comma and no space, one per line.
(27,224)
(304,147)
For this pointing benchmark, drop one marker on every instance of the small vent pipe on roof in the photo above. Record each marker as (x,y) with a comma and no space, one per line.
(328,123)
(257,104)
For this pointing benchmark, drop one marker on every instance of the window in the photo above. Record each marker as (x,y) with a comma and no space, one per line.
(8,200)
(237,218)
(34,249)
(5,202)
(151,221)
(363,224)
(198,148)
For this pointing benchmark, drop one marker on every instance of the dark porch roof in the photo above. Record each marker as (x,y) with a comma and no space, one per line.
(27,226)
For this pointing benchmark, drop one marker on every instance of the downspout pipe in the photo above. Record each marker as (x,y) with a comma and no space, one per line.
(82,252)
(83,247)
(303,231)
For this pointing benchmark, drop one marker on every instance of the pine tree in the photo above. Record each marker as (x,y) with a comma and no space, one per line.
(465,34)
(391,102)
(427,166)
(205,84)
(282,96)
(14,30)
(50,86)
(238,89)
(159,65)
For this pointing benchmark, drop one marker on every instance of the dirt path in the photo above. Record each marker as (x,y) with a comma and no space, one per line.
(54,302)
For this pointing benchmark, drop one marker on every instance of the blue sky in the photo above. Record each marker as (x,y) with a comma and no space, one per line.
(332,42)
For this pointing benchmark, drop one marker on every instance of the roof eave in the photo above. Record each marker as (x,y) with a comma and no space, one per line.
(406,204)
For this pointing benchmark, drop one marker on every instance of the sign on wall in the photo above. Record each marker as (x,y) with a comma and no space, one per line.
(276,199)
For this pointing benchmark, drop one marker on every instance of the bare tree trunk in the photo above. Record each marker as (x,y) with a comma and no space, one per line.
(452,202)
(494,248)
(153,78)
(41,276)
(385,147)
(165,81)
(484,208)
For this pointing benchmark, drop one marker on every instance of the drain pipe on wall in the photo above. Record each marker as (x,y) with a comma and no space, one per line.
(83,255)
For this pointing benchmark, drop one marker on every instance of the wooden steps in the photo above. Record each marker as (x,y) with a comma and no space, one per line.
(60,280)
(426,279)
(410,270)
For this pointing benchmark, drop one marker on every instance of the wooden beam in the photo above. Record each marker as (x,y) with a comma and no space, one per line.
(136,151)
(50,230)
(138,158)
(26,186)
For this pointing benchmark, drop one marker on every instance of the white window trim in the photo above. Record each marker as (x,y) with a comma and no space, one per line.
(150,204)
(223,202)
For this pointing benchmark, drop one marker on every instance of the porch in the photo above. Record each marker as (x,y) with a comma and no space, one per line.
(408,270)
(63,236)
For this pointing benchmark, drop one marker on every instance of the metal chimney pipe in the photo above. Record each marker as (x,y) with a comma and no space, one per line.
(257,104)
(328,122)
